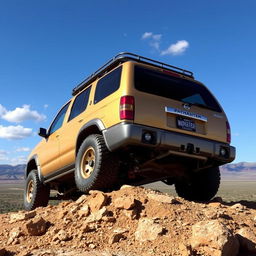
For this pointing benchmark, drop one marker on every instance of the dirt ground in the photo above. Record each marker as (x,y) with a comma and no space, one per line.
(131,221)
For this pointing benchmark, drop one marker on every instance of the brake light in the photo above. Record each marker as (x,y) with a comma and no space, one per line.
(228,132)
(126,108)
(171,73)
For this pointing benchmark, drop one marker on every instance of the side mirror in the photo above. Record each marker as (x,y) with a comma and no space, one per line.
(42,132)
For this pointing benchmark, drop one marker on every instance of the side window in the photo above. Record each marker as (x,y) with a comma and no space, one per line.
(58,121)
(80,104)
(107,85)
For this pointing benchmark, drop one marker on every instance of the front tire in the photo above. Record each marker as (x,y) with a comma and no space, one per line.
(201,186)
(96,167)
(36,194)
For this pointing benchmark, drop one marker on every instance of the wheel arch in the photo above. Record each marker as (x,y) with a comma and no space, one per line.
(33,164)
(94,126)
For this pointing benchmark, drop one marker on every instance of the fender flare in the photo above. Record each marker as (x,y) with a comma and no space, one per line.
(27,169)
(95,122)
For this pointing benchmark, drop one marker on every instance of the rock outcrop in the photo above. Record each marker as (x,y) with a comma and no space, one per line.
(131,221)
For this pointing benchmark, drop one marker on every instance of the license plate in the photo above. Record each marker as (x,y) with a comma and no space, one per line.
(186,124)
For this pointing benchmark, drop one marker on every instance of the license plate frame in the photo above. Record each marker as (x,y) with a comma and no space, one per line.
(185,124)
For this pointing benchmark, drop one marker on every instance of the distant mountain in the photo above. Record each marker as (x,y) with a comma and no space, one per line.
(239,167)
(12,173)
(243,170)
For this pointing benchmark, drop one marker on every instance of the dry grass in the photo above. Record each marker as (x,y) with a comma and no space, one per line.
(11,195)
(230,190)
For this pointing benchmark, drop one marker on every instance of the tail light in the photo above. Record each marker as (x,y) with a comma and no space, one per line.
(127,108)
(228,132)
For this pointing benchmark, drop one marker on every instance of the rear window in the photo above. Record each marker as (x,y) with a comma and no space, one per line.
(107,85)
(161,84)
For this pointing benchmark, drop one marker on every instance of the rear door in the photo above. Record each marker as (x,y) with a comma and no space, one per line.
(70,130)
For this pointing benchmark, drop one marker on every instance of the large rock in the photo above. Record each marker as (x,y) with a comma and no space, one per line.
(148,230)
(97,216)
(131,214)
(19,216)
(247,239)
(36,227)
(84,211)
(81,199)
(212,238)
(62,235)
(238,207)
(117,235)
(124,203)
(97,201)
(162,198)
(127,187)
(14,234)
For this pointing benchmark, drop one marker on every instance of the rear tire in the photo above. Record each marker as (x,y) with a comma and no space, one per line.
(36,194)
(201,187)
(96,167)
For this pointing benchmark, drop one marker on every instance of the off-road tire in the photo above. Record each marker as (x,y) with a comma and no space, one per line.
(201,187)
(36,194)
(104,173)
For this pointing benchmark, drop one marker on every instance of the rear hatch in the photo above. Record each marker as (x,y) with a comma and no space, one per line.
(170,101)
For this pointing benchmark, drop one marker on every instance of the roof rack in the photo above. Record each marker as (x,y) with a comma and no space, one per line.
(123,57)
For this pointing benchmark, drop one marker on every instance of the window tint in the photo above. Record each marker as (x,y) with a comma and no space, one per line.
(107,85)
(80,104)
(161,84)
(58,121)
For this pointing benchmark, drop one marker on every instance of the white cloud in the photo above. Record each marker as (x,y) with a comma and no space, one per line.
(19,115)
(3,158)
(154,39)
(3,155)
(46,106)
(155,45)
(17,160)
(14,132)
(146,35)
(157,37)
(176,49)
(155,42)
(2,110)
(23,149)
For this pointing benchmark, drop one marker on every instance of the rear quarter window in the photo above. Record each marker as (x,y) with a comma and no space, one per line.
(108,85)
(80,103)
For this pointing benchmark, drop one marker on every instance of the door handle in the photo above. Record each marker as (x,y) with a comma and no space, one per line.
(81,120)
(57,136)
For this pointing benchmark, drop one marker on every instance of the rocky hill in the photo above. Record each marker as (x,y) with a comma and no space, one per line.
(129,222)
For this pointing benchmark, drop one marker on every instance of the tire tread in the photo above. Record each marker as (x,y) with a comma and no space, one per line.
(105,176)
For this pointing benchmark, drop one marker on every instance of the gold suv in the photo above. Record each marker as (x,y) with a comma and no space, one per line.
(134,121)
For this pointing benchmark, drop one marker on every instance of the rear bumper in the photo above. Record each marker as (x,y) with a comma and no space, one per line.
(126,134)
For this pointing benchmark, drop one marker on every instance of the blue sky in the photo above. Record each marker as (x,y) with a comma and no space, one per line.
(48,47)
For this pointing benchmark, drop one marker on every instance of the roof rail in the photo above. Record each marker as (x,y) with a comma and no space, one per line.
(123,57)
